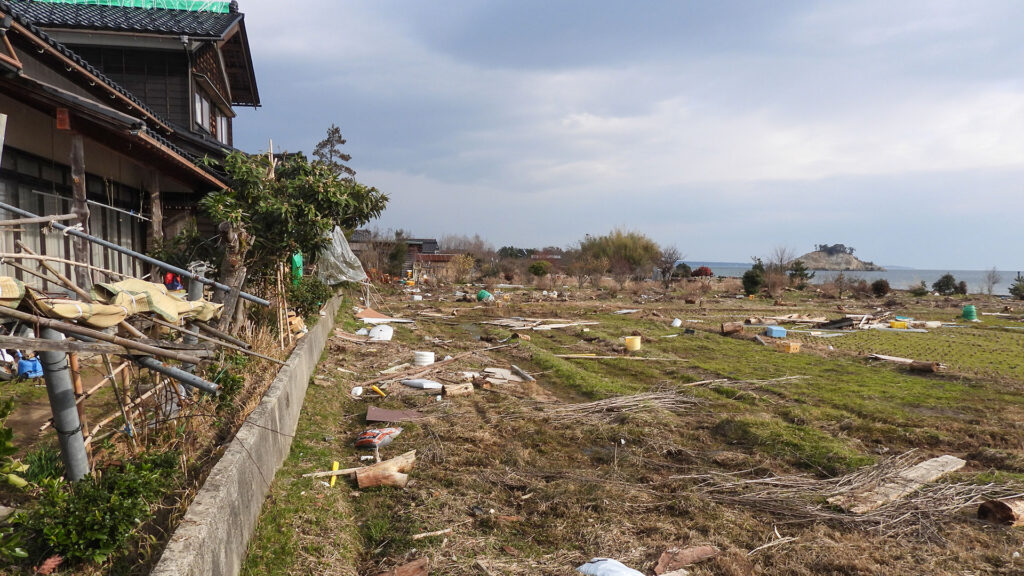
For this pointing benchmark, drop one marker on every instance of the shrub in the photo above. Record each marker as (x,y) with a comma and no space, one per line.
(308,296)
(540,268)
(945,285)
(1017,288)
(961,288)
(683,270)
(880,287)
(919,290)
(753,280)
(703,271)
(90,519)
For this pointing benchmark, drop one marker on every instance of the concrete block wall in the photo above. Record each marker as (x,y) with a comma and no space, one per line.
(214,534)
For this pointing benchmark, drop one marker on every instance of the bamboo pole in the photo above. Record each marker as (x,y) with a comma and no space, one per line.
(95,334)
(219,343)
(37,220)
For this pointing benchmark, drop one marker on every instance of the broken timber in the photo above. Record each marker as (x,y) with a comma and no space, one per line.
(903,484)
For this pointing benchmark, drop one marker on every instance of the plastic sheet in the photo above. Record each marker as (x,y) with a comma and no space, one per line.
(337,263)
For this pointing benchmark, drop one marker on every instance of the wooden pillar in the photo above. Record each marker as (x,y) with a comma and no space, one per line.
(83,276)
(155,235)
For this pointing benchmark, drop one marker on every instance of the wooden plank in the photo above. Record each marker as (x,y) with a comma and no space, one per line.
(904,483)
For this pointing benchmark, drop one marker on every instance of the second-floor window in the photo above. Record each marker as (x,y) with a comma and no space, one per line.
(222,128)
(202,111)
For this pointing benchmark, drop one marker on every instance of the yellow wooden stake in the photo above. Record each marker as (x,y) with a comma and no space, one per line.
(334,467)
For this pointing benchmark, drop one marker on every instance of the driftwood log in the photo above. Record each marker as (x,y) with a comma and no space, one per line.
(1007,512)
(458,389)
(732,328)
(391,472)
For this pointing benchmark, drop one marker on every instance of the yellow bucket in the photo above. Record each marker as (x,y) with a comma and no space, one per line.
(632,343)
(898,324)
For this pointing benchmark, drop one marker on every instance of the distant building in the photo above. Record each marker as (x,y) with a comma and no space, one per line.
(148,91)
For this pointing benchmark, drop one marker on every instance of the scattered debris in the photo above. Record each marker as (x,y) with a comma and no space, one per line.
(732,328)
(777,541)
(627,311)
(665,400)
(458,389)
(607,567)
(422,384)
(915,365)
(523,374)
(1008,512)
(676,558)
(903,483)
(375,414)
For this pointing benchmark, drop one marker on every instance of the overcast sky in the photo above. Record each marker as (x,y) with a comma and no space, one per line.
(723,128)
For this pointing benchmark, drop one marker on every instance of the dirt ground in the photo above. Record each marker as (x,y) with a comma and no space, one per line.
(666,447)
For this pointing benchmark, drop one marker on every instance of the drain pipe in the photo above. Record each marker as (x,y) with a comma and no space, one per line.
(65,411)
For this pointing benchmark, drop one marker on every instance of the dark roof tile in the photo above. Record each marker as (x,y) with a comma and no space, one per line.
(116,18)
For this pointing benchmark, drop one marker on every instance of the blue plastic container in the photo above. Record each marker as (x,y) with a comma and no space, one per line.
(775,332)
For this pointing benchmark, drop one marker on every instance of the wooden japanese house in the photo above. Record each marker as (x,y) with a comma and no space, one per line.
(146,88)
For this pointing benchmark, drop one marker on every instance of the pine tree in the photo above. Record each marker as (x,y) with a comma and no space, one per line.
(328,152)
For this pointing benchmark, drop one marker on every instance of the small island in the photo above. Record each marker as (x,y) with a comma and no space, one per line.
(836,257)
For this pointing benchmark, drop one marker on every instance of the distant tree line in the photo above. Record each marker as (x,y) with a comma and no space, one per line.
(834,249)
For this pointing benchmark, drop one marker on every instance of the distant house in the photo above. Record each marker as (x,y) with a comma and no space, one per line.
(147,91)
(430,265)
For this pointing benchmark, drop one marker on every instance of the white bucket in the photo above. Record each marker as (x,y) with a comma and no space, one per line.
(422,358)
(381,333)
(677,323)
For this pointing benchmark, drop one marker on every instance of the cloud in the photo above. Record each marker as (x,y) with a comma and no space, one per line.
(534,124)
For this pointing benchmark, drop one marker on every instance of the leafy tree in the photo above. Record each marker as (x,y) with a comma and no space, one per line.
(702,272)
(399,252)
(512,252)
(880,287)
(288,206)
(1017,288)
(920,290)
(961,288)
(629,253)
(945,285)
(799,275)
(683,270)
(460,266)
(328,152)
(540,268)
(753,280)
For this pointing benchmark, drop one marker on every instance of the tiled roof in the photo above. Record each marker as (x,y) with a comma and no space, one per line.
(15,9)
(119,19)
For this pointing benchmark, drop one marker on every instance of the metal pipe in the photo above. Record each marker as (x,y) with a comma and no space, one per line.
(65,412)
(189,334)
(169,371)
(175,373)
(147,259)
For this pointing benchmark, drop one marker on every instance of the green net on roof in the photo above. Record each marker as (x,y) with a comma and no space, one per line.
(189,5)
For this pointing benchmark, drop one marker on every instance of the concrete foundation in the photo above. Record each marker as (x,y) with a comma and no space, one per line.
(213,537)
